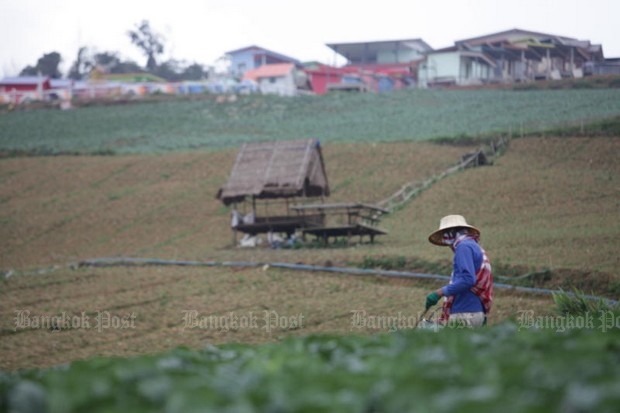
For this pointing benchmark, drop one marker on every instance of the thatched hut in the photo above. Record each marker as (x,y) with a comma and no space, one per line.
(266,177)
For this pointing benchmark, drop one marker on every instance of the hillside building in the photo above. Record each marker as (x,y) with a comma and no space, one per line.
(510,56)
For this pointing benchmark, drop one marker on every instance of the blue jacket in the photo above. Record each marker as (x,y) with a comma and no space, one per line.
(465,265)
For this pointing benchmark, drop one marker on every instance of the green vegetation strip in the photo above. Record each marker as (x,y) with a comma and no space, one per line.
(523,365)
(408,115)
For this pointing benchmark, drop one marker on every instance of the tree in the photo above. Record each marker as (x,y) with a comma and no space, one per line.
(47,65)
(149,42)
(29,71)
(127,66)
(109,62)
(169,70)
(106,61)
(195,72)
(82,66)
(175,70)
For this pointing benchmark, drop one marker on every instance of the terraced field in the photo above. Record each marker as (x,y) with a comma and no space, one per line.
(545,205)
(228,337)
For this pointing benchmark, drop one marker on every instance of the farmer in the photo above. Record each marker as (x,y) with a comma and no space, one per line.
(469,294)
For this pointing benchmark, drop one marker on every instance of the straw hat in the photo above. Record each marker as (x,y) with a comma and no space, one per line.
(447,222)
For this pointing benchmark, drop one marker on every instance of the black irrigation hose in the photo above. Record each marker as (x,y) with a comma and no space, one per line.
(127,261)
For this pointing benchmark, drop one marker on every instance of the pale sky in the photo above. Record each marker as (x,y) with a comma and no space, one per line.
(202,31)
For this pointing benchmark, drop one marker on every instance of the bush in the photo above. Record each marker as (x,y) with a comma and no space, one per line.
(501,368)
(577,303)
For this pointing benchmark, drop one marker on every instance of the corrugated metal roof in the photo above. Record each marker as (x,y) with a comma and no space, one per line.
(276,169)
(506,34)
(272,70)
(367,52)
(257,50)
(24,80)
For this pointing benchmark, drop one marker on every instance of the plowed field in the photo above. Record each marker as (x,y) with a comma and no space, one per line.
(546,204)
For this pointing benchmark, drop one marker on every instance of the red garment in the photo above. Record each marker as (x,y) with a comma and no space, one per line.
(483,288)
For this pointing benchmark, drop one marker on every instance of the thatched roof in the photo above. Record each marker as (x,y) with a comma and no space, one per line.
(278,169)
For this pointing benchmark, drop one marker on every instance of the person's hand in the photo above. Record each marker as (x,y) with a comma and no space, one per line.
(432,299)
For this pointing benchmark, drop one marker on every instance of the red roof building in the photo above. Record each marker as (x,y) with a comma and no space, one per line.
(322,76)
(25,83)
(17,89)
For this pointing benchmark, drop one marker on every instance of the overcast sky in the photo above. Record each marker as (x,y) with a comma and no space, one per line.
(201,31)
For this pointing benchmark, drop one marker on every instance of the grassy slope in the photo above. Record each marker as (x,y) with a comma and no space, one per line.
(547,203)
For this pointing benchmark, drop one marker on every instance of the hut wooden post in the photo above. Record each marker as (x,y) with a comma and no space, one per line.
(234,229)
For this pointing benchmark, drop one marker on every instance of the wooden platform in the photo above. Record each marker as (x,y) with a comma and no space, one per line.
(324,221)
(287,224)
(360,219)
(349,231)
